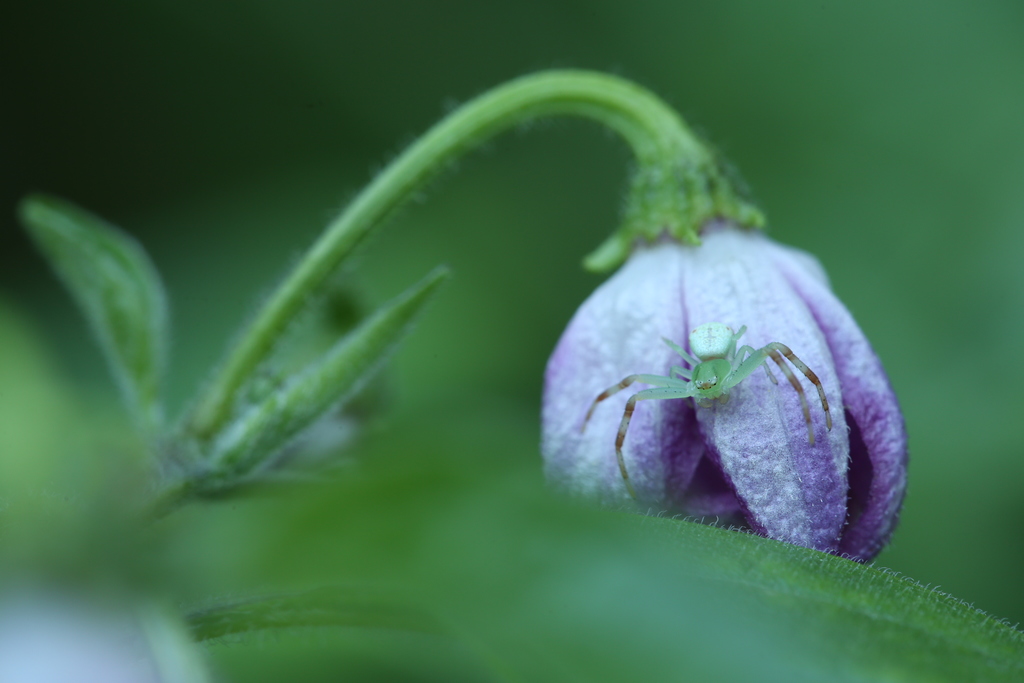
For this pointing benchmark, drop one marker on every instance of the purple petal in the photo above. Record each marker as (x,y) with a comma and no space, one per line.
(791,490)
(878,437)
(709,494)
(617,332)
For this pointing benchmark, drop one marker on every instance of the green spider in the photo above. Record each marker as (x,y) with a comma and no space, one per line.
(717,368)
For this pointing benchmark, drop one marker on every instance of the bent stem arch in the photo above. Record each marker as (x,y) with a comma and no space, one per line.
(677,185)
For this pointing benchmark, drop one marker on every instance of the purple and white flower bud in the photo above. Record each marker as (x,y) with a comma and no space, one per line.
(749,459)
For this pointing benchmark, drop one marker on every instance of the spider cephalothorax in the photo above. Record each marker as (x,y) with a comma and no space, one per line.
(717,368)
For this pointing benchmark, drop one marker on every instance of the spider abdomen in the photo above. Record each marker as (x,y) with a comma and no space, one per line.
(711,340)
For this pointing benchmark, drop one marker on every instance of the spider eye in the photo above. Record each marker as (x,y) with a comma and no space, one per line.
(707,383)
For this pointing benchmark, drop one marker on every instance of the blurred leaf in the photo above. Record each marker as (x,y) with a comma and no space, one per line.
(118,290)
(543,589)
(329,606)
(263,429)
(884,625)
(33,401)
(68,468)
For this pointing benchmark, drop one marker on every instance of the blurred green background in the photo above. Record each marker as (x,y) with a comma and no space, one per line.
(885,138)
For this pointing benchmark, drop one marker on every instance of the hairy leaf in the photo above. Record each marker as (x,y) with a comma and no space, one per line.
(118,290)
(546,590)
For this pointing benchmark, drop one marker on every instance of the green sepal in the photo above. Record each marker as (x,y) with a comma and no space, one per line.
(260,431)
(118,289)
(676,199)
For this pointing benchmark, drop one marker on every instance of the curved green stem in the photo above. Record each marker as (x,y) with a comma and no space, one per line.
(677,186)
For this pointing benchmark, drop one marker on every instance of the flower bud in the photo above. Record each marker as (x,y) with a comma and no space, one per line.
(755,459)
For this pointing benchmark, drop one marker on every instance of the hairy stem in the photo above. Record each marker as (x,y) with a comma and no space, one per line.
(676,186)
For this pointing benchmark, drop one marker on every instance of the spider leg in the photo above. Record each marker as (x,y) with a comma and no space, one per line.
(627,415)
(682,352)
(679,371)
(761,355)
(775,356)
(809,374)
(732,342)
(656,380)
(746,367)
(738,360)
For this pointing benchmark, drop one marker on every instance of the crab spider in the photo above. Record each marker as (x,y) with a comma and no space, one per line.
(717,368)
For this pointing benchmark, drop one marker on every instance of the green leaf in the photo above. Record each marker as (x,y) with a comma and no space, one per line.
(262,430)
(328,606)
(889,627)
(542,589)
(118,290)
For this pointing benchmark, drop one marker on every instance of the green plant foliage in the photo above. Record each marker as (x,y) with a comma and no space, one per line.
(330,606)
(261,430)
(118,290)
(439,555)
(32,399)
(540,589)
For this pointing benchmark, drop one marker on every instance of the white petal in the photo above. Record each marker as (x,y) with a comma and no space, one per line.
(792,491)
(617,332)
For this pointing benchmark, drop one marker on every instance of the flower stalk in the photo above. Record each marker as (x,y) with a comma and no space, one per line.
(677,185)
